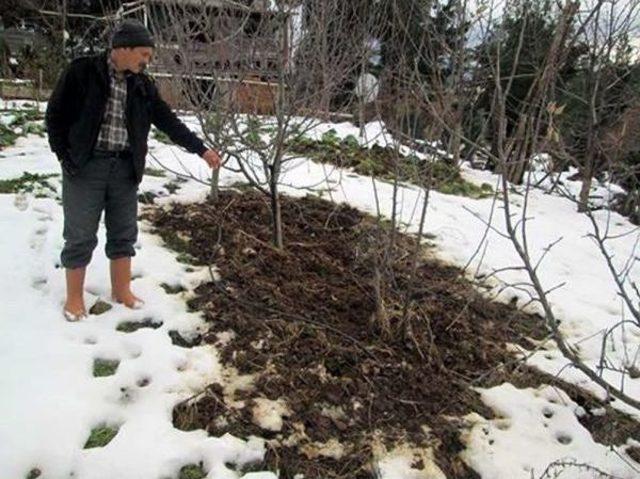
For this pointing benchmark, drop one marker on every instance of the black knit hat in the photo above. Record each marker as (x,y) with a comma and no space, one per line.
(131,33)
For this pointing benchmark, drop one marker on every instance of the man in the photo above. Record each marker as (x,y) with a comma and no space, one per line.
(98,121)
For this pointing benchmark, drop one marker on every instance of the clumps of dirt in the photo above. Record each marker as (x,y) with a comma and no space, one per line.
(307,327)
(634,453)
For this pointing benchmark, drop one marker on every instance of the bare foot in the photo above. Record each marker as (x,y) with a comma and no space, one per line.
(74,309)
(129,299)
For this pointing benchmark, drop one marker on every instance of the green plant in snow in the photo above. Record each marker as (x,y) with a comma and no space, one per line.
(105,367)
(330,137)
(192,471)
(29,183)
(20,123)
(161,136)
(155,172)
(381,163)
(7,136)
(101,436)
(351,142)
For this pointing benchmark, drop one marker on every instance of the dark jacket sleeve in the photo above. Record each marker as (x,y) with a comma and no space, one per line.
(60,113)
(167,121)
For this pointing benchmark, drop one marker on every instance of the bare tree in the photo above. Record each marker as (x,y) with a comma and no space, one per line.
(288,61)
(600,93)
(509,152)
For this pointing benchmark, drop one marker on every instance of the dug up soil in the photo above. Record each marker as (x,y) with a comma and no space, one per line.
(339,369)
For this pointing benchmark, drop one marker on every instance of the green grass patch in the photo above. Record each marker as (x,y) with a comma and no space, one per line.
(105,367)
(465,188)
(131,326)
(161,136)
(147,197)
(192,471)
(33,129)
(180,244)
(29,183)
(175,241)
(385,163)
(22,123)
(8,137)
(101,436)
(179,340)
(26,115)
(100,307)
(157,172)
(448,180)
(172,187)
(186,258)
(241,186)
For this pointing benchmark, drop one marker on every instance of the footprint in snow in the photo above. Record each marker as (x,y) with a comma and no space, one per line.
(40,283)
(38,238)
(143,382)
(43,215)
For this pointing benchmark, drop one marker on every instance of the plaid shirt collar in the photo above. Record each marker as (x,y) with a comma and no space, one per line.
(113,73)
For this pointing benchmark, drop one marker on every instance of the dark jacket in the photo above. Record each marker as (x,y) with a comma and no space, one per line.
(77,105)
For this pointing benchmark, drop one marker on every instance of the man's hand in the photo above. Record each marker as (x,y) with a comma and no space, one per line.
(66,163)
(212,158)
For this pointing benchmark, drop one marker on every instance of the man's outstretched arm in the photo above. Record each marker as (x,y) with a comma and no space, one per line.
(167,121)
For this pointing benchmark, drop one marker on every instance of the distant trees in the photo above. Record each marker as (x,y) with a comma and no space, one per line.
(596,123)
(58,31)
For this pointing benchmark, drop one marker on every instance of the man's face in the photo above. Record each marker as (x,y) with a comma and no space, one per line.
(137,59)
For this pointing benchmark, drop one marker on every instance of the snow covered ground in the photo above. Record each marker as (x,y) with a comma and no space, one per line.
(50,401)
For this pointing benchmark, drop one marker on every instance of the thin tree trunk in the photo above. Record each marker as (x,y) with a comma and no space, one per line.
(588,168)
(380,318)
(276,217)
(215,186)
(414,261)
(455,143)
(274,177)
(587,178)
